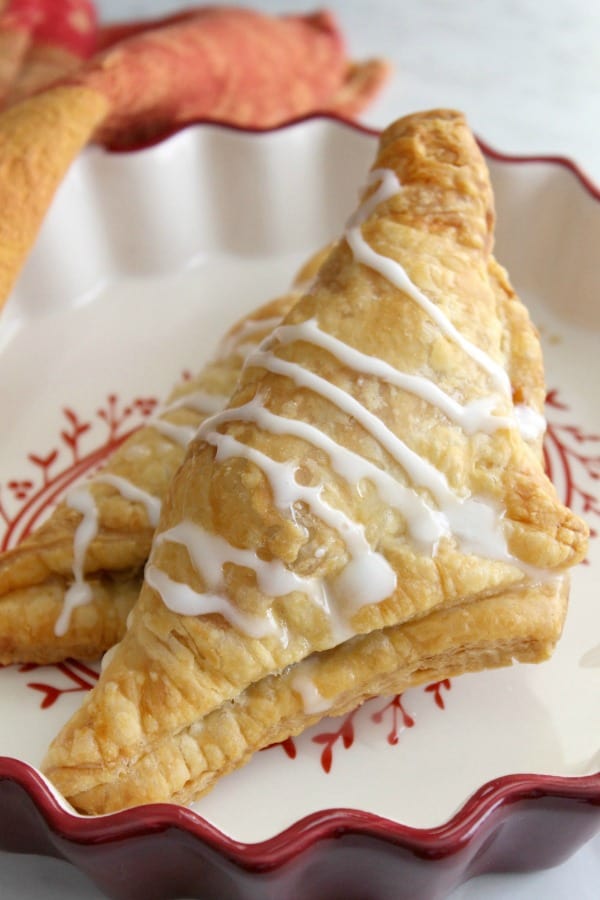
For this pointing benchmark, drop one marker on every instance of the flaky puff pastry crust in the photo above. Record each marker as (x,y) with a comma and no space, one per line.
(35,575)
(181,767)
(173,671)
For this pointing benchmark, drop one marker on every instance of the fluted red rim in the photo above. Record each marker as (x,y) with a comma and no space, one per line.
(443,840)
(555,159)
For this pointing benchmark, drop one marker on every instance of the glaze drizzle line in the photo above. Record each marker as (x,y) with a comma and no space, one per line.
(426,524)
(392,271)
(79,591)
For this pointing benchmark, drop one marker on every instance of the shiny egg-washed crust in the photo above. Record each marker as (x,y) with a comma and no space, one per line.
(172,671)
(35,575)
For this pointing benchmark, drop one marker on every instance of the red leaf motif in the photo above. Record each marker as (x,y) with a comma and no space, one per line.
(436,690)
(288,746)
(400,718)
(59,468)
(552,399)
(44,462)
(579,434)
(79,428)
(348,733)
(68,438)
(571,462)
(71,416)
(79,674)
(51,693)
(327,759)
(330,738)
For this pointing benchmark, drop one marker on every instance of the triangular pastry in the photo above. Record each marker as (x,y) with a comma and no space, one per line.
(372,480)
(67,589)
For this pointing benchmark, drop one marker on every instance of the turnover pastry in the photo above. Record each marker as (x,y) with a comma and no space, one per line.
(67,589)
(369,511)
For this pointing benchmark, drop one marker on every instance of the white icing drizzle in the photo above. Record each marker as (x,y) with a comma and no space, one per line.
(388,186)
(199,401)
(129,491)
(181,434)
(302,683)
(472,417)
(238,341)
(475,523)
(368,577)
(79,591)
(391,270)
(186,602)
(82,501)
(209,553)
(532,424)
(426,525)
(108,657)
(287,492)
(419,470)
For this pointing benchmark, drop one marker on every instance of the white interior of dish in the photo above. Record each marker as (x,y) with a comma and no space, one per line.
(143,262)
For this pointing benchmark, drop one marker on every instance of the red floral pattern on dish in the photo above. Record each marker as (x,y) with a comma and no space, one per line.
(26,499)
(571,460)
(393,712)
(572,457)
(76,676)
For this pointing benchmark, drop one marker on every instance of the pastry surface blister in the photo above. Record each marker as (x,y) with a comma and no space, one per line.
(370,487)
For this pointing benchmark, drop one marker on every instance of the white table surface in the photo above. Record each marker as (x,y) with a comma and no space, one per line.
(527,74)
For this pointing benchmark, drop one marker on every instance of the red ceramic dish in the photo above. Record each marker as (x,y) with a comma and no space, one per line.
(334,848)
(514,824)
